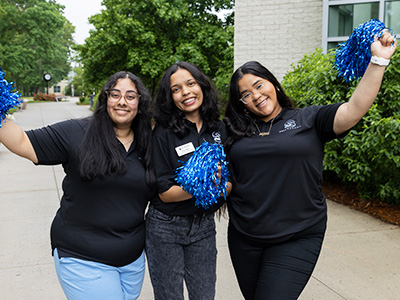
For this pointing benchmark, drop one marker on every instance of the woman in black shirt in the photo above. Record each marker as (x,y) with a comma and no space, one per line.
(180,237)
(98,233)
(277,211)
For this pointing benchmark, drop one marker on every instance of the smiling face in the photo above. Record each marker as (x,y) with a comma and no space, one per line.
(186,93)
(260,96)
(121,111)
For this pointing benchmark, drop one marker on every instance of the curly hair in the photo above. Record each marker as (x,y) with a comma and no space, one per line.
(169,116)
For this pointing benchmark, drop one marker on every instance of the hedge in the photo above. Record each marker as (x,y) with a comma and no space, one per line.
(44,97)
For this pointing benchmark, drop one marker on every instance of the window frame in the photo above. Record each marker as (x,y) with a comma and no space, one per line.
(325,18)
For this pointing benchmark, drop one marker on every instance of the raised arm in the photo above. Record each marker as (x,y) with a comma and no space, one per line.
(364,95)
(16,140)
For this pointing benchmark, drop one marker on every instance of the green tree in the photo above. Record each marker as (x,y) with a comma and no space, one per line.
(77,83)
(81,87)
(147,36)
(35,38)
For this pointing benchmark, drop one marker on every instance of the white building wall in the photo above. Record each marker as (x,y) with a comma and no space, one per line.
(62,84)
(276,33)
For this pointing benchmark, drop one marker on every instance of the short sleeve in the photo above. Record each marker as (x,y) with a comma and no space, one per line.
(162,162)
(324,122)
(51,143)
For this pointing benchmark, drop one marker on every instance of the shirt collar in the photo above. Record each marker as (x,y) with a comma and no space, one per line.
(193,126)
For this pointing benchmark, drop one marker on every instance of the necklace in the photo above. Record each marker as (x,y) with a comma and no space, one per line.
(264,133)
(130,136)
(127,144)
(130,141)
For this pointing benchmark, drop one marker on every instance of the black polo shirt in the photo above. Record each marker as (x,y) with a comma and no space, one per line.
(100,220)
(277,187)
(169,153)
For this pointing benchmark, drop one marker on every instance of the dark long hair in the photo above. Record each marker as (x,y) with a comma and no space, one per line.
(99,153)
(240,122)
(169,116)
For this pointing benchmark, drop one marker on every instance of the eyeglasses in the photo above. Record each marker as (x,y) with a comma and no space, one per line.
(249,96)
(130,96)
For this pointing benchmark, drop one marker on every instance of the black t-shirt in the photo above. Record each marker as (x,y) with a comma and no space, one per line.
(100,220)
(169,153)
(277,178)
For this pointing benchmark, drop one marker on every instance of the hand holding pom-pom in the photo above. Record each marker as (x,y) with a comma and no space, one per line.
(205,174)
(8,99)
(384,45)
(353,56)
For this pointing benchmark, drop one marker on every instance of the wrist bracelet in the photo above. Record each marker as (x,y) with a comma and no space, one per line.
(380,61)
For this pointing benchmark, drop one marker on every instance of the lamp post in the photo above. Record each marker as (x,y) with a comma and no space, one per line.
(47,77)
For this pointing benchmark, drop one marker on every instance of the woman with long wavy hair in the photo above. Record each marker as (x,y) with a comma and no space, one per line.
(180,237)
(98,233)
(277,211)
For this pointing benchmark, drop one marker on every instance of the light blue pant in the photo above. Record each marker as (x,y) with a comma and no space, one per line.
(88,280)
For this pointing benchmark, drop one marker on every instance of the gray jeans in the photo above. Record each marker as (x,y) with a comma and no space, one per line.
(181,248)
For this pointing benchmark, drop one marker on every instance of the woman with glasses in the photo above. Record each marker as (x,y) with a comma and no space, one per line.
(277,211)
(180,237)
(98,233)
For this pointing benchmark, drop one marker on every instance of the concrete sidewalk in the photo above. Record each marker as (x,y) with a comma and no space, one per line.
(360,258)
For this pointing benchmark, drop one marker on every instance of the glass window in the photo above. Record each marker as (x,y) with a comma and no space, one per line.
(341,17)
(57,89)
(392,16)
(344,18)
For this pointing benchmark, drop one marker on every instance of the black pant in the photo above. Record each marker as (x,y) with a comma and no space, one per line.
(275,270)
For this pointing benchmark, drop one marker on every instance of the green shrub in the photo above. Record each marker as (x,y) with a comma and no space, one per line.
(11,111)
(44,97)
(369,155)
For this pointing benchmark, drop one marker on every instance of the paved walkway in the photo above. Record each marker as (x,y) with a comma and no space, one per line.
(360,258)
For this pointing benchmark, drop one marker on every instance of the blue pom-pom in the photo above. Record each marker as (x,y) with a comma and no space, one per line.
(353,56)
(198,175)
(8,98)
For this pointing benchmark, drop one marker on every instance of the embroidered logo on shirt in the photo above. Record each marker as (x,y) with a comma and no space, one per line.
(289,125)
(217,137)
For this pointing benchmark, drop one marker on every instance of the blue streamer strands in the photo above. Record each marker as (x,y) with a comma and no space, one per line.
(8,99)
(198,175)
(353,56)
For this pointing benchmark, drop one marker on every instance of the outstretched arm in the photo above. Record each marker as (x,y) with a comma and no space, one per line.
(364,95)
(16,140)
